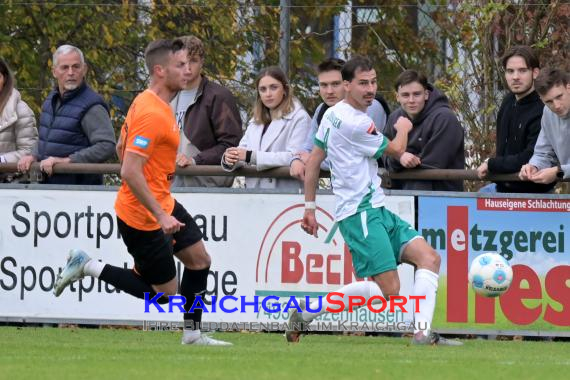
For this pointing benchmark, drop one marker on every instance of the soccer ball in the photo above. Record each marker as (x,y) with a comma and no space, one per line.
(490,275)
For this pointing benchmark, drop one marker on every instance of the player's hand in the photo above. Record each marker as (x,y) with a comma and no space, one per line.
(309,224)
(409,160)
(169,224)
(403,124)
(183,161)
(483,170)
(527,171)
(25,162)
(545,175)
(297,170)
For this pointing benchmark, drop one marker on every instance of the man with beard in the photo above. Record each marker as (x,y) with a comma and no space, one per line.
(75,126)
(518,123)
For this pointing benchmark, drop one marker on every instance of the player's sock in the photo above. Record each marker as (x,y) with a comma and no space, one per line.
(126,280)
(194,283)
(93,268)
(365,289)
(425,283)
(189,336)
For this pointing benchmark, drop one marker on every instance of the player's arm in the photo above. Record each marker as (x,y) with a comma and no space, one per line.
(132,173)
(397,147)
(312,170)
(119,147)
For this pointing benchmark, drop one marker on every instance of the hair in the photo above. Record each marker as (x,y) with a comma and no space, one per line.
(193,44)
(523,51)
(331,64)
(411,76)
(66,49)
(262,114)
(354,64)
(550,77)
(157,52)
(9,84)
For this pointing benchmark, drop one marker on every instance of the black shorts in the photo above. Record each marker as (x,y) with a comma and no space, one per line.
(153,250)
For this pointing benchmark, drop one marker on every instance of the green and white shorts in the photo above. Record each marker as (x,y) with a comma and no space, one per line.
(376,238)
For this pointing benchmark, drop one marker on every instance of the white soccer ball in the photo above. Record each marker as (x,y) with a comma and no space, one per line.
(490,274)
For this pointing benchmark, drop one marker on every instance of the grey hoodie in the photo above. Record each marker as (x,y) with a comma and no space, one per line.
(436,138)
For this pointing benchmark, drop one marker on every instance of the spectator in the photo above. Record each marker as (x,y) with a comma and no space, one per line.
(75,126)
(331,90)
(209,120)
(436,139)
(551,158)
(275,133)
(18,133)
(518,123)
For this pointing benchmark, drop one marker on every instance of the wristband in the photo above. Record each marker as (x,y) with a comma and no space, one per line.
(560,173)
(295,158)
(310,205)
(248,156)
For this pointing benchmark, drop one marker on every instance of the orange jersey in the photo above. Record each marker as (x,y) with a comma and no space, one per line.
(149,130)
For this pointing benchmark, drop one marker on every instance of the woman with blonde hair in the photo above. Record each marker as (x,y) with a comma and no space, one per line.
(274,134)
(18,133)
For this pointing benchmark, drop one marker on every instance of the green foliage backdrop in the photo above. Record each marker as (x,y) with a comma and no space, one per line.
(457,43)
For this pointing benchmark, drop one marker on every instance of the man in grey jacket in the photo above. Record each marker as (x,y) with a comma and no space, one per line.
(75,126)
(551,158)
(436,139)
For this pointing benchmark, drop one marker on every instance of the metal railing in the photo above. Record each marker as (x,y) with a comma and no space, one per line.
(283,172)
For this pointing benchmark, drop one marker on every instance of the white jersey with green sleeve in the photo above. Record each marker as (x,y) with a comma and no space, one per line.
(352,145)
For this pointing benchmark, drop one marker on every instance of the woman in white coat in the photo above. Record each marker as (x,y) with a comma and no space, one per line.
(275,133)
(18,132)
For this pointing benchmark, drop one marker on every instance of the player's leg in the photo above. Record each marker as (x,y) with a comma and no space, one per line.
(190,250)
(426,262)
(371,251)
(154,266)
(417,252)
(366,289)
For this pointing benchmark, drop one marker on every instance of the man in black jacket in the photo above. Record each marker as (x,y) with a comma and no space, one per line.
(518,123)
(436,139)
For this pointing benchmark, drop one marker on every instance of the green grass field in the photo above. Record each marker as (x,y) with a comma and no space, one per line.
(61,353)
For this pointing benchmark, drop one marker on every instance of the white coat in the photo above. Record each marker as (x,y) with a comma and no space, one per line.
(18,132)
(282,140)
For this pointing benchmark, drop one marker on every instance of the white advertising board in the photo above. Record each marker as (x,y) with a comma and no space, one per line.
(255,240)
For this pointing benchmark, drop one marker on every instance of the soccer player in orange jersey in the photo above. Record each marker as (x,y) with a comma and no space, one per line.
(153,225)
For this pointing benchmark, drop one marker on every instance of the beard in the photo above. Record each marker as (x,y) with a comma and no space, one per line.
(523,89)
(70,86)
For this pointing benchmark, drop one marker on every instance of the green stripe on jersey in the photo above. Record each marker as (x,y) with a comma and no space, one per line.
(381,149)
(320,144)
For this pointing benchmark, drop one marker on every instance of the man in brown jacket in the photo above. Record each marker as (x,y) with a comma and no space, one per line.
(208,118)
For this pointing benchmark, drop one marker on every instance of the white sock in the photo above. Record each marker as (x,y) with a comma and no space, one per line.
(190,335)
(425,283)
(93,268)
(365,289)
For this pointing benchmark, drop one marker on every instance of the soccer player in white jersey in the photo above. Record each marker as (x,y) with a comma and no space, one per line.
(378,239)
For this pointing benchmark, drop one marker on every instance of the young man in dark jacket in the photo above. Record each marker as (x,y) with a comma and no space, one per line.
(436,139)
(518,123)
(209,120)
